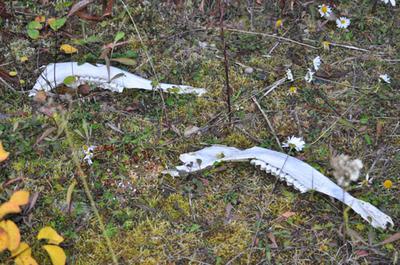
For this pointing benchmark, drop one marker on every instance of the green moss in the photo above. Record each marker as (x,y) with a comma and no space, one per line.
(230,241)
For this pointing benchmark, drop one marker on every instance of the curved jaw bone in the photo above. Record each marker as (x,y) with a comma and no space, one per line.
(295,172)
(111,78)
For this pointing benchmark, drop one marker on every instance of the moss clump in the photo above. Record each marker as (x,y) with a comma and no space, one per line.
(231,240)
(238,140)
(176,206)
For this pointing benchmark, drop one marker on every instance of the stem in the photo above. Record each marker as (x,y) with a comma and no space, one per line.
(83,179)
(226,65)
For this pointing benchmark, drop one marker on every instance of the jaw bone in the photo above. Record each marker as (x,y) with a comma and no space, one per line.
(113,79)
(295,172)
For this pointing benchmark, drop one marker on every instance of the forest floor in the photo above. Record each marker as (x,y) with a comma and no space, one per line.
(233,213)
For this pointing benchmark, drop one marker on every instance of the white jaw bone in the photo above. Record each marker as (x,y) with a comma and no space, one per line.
(295,172)
(113,79)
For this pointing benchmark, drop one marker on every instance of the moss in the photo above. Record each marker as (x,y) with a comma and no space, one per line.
(230,241)
(176,206)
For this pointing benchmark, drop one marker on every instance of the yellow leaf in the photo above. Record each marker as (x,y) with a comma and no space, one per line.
(12,73)
(12,230)
(40,19)
(3,239)
(7,208)
(25,260)
(22,250)
(57,254)
(22,82)
(20,197)
(50,234)
(3,153)
(23,59)
(68,49)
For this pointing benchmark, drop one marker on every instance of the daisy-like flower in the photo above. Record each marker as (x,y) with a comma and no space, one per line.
(289,75)
(325,10)
(392,2)
(294,142)
(309,76)
(88,151)
(317,63)
(343,22)
(385,78)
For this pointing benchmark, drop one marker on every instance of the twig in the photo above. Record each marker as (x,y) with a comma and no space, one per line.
(349,47)
(268,122)
(272,36)
(226,66)
(273,86)
(7,84)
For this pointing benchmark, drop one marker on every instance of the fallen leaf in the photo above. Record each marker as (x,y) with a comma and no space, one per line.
(390,239)
(68,49)
(69,195)
(12,231)
(12,73)
(50,234)
(271,237)
(3,240)
(7,208)
(288,214)
(25,260)
(57,254)
(3,154)
(361,253)
(20,197)
(125,61)
(79,6)
(22,250)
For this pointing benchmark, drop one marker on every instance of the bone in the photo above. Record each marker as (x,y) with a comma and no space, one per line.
(295,172)
(54,74)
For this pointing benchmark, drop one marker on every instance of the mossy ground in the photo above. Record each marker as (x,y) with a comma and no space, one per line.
(232,213)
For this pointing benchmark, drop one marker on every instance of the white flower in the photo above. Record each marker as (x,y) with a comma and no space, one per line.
(289,75)
(317,63)
(392,2)
(342,22)
(88,151)
(385,78)
(309,76)
(325,10)
(294,142)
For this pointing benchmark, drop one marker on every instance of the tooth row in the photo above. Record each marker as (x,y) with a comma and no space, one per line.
(277,172)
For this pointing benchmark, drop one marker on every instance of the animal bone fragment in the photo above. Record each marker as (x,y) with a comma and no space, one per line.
(113,79)
(295,172)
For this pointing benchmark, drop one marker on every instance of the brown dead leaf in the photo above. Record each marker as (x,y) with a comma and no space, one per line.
(361,253)
(46,133)
(379,129)
(390,239)
(79,6)
(271,237)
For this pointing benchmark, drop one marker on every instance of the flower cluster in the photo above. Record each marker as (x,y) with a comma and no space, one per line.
(326,12)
